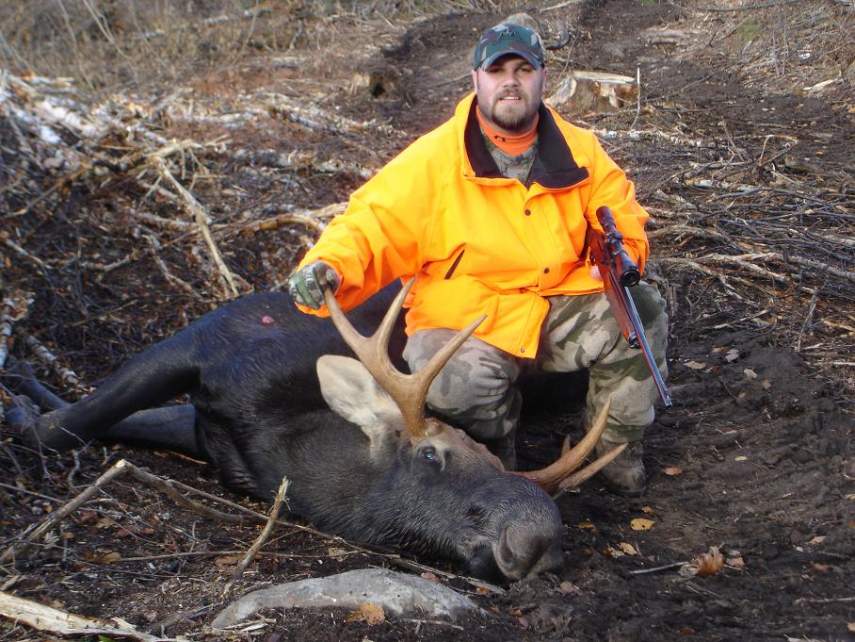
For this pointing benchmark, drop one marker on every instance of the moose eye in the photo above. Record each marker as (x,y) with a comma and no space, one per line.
(429,453)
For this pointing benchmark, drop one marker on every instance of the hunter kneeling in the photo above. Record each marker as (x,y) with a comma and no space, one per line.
(490,213)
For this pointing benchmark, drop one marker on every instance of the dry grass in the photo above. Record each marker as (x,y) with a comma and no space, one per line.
(127,45)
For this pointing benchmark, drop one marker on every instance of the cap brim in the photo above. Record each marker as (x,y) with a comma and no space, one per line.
(527,56)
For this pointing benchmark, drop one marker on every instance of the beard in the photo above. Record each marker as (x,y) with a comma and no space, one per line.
(513,118)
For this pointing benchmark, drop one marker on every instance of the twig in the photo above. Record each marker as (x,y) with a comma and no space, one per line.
(68,376)
(657,569)
(15,308)
(808,317)
(170,278)
(264,535)
(119,468)
(751,7)
(201,218)
(821,600)
(17,249)
(261,539)
(638,97)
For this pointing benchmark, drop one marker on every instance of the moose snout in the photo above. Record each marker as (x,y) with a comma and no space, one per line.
(523,551)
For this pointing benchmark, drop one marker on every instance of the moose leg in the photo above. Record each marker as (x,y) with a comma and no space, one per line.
(148,380)
(171,427)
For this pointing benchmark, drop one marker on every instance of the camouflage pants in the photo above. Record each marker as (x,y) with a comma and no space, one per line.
(477,388)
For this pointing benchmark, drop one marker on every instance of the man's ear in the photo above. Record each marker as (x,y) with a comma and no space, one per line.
(475,80)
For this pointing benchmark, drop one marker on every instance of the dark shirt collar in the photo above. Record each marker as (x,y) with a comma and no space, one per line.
(554,166)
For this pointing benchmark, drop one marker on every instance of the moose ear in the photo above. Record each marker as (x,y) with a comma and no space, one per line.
(351,392)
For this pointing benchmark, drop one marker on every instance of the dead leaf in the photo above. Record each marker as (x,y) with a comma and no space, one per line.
(430,577)
(108,557)
(731,355)
(695,365)
(647,510)
(672,471)
(851,627)
(819,539)
(628,548)
(821,568)
(612,552)
(368,612)
(86,516)
(708,563)
(736,562)
(586,525)
(104,522)
(337,553)
(641,524)
(225,561)
(568,588)
(740,458)
(749,374)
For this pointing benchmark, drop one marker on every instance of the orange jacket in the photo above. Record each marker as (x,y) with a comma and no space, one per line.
(475,241)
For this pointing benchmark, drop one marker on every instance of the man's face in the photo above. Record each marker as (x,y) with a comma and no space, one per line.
(509,92)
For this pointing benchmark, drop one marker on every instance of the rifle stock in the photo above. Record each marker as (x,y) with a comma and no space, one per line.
(619,273)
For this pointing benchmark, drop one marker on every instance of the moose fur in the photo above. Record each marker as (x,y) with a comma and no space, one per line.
(260,412)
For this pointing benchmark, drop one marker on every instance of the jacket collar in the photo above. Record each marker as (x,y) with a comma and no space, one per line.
(554,166)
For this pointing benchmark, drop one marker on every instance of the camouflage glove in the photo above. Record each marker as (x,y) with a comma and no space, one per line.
(306,285)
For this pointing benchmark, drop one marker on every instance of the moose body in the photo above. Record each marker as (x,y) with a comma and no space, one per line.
(259,414)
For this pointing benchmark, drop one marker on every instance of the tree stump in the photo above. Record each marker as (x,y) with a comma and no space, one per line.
(587,91)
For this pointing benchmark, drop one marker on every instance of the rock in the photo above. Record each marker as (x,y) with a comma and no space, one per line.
(397,593)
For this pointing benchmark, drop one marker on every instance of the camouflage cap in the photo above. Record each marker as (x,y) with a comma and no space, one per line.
(505,39)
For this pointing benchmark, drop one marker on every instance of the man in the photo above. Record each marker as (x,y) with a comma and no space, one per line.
(489,213)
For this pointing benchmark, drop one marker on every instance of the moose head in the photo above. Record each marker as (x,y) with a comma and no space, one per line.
(436,489)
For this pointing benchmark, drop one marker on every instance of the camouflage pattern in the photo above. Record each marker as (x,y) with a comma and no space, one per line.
(477,388)
(517,167)
(504,39)
(581,332)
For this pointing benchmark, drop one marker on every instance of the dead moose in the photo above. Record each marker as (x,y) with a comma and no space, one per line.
(375,469)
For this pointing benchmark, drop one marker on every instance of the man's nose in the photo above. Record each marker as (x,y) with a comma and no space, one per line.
(510,79)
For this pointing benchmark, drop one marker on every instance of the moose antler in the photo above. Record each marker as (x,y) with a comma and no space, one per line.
(560,474)
(408,391)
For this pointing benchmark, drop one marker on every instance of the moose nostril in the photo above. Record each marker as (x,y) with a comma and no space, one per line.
(523,552)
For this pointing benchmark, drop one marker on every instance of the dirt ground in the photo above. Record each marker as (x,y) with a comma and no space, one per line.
(754,458)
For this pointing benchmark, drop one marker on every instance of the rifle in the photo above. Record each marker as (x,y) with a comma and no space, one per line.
(619,273)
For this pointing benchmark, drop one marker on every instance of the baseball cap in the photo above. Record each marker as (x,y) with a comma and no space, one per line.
(508,38)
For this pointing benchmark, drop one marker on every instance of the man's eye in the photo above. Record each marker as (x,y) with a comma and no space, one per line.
(429,453)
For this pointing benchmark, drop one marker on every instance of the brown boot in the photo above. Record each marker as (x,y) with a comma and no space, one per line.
(625,475)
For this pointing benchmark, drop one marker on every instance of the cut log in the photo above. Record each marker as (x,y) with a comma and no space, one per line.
(587,91)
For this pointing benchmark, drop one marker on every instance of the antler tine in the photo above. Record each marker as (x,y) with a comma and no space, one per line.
(556,473)
(408,391)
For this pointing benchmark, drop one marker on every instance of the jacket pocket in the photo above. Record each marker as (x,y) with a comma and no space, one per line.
(450,272)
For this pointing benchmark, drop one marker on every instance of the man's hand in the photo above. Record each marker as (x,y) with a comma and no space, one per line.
(306,285)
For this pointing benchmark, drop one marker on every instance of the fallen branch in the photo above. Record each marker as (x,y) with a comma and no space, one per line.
(15,308)
(309,218)
(201,218)
(46,618)
(262,537)
(636,134)
(154,244)
(66,375)
(171,488)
